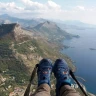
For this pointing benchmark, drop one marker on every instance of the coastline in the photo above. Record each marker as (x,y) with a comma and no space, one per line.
(69,61)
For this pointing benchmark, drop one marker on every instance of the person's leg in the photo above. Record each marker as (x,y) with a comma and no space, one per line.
(63,82)
(43,72)
(66,90)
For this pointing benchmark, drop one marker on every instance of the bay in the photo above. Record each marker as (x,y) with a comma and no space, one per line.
(84,58)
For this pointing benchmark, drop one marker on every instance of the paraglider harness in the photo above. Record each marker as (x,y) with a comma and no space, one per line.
(34,73)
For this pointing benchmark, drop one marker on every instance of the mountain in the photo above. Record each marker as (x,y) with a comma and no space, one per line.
(78,23)
(40,27)
(13,71)
(52,31)
(68,24)
(22,22)
(1,21)
(13,31)
(20,50)
(74,24)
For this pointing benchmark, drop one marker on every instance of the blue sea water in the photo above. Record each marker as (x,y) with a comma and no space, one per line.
(85,59)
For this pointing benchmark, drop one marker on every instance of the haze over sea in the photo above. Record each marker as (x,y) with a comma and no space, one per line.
(85,59)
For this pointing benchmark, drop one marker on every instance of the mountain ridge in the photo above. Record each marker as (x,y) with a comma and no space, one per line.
(52,31)
(22,22)
(13,31)
(20,57)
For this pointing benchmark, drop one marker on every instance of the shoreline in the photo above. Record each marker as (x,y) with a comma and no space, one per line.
(69,61)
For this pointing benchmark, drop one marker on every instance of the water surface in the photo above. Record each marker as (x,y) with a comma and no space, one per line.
(85,59)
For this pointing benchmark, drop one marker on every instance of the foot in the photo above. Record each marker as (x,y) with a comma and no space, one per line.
(61,72)
(44,71)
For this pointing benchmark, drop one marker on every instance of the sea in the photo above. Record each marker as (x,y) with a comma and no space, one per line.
(84,58)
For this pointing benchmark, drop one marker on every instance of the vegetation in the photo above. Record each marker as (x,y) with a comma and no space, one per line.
(24,48)
(12,69)
(15,68)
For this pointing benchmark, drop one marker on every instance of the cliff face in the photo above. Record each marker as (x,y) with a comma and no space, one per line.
(7,30)
(19,33)
(13,31)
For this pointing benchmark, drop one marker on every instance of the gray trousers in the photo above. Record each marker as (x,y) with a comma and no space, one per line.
(44,90)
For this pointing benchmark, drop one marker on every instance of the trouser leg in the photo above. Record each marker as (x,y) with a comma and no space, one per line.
(66,90)
(42,90)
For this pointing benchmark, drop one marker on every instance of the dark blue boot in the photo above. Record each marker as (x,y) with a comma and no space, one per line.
(61,72)
(44,71)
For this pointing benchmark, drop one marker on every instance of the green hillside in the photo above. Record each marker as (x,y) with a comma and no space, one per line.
(19,55)
(11,68)
(19,52)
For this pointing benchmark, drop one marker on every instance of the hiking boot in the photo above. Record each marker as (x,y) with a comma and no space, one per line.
(44,71)
(61,72)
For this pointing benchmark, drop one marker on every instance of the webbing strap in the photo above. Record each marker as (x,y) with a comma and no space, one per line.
(73,76)
(31,80)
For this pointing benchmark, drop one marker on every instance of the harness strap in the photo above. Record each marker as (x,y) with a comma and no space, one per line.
(31,80)
(73,76)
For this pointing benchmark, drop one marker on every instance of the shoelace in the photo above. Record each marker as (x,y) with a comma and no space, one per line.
(44,72)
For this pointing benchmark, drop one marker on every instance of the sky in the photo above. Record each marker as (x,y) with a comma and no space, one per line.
(82,10)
